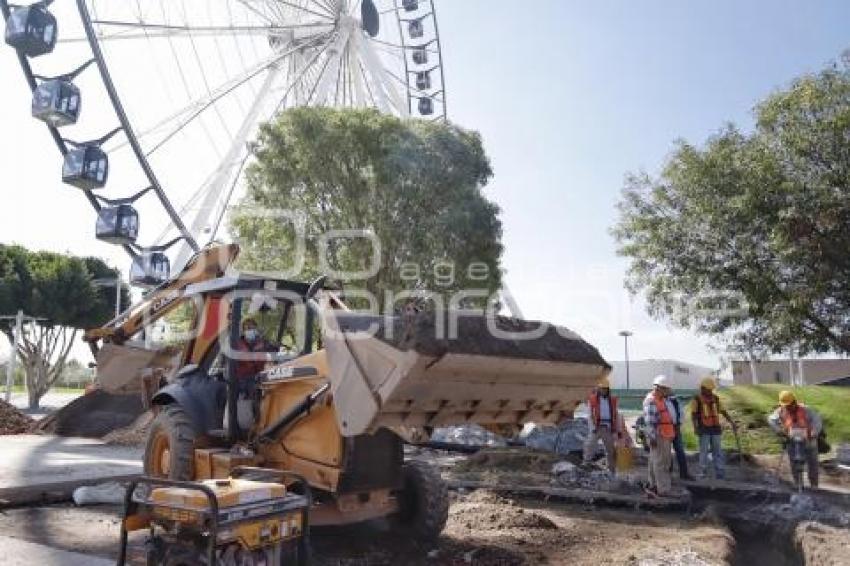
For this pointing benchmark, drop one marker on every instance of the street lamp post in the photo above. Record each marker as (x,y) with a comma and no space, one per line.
(626,334)
(109,283)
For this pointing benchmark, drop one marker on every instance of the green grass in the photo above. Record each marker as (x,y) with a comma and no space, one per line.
(750,406)
(632,399)
(22,389)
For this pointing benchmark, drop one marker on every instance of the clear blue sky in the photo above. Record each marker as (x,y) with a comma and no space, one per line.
(569,96)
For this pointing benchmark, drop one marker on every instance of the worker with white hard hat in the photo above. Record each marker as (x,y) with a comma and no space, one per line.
(659,416)
(604,423)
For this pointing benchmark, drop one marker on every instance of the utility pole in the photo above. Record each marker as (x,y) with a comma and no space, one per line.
(108,283)
(791,378)
(626,334)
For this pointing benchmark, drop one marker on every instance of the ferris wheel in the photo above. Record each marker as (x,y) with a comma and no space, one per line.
(174,92)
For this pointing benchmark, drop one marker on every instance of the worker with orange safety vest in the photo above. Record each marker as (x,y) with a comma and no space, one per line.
(660,429)
(604,423)
(705,414)
(791,416)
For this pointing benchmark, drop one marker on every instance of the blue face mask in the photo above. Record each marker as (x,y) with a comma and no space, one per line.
(252,334)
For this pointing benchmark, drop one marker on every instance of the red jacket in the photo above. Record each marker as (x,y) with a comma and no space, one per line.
(249,368)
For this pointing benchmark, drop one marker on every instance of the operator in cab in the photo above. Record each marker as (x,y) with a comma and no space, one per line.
(250,342)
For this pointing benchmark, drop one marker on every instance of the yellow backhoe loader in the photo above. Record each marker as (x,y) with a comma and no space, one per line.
(339,394)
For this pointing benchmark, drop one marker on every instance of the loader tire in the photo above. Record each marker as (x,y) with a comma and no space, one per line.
(423,503)
(170,450)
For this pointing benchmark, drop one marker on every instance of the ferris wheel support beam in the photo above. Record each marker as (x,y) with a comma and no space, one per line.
(128,130)
(379,78)
(224,173)
(332,70)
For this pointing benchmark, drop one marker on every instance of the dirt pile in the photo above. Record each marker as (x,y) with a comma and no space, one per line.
(134,435)
(94,415)
(510,459)
(500,466)
(823,545)
(486,511)
(12,421)
(426,333)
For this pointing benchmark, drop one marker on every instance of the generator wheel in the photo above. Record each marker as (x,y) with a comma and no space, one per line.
(169,452)
(424,502)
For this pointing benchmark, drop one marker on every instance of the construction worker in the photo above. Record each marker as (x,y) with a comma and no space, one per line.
(792,415)
(251,341)
(679,442)
(659,416)
(604,423)
(705,411)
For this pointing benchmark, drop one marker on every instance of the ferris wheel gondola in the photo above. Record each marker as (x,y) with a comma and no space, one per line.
(190,81)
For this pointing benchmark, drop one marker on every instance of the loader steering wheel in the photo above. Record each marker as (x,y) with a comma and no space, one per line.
(315,287)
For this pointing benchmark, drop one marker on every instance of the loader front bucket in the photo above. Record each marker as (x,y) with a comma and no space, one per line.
(452,368)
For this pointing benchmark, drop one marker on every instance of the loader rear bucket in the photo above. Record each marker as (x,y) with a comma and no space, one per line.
(400,372)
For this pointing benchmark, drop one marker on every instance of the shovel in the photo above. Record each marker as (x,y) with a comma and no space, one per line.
(738,444)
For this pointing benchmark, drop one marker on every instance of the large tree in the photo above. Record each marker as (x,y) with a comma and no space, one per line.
(415,185)
(745,238)
(58,290)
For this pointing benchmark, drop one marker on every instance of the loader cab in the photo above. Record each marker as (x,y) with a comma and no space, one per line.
(207,389)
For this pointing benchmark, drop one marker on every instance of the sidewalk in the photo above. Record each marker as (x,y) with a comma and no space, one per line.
(17,552)
(35,468)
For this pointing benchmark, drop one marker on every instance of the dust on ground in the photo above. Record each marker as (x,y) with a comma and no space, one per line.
(13,421)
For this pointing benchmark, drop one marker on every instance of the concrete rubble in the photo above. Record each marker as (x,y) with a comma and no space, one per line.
(468,435)
(566,438)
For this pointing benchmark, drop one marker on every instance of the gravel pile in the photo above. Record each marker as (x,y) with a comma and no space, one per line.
(12,421)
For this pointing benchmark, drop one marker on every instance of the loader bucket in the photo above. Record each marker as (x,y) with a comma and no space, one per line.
(123,369)
(452,368)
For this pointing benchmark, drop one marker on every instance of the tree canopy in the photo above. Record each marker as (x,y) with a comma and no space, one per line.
(745,238)
(415,185)
(59,290)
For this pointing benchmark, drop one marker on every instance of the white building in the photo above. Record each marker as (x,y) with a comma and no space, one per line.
(641,373)
(796,372)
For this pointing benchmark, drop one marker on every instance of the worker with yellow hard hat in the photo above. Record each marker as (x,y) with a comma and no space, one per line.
(791,418)
(706,411)
(603,423)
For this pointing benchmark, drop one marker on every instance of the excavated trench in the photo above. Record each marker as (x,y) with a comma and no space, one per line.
(764,543)
(760,537)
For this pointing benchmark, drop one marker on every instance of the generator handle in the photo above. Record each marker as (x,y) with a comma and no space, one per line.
(130,505)
(281,476)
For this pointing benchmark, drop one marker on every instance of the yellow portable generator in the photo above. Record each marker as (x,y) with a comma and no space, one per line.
(252,518)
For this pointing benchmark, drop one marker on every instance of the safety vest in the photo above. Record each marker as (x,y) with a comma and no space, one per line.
(798,418)
(708,411)
(596,414)
(666,424)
